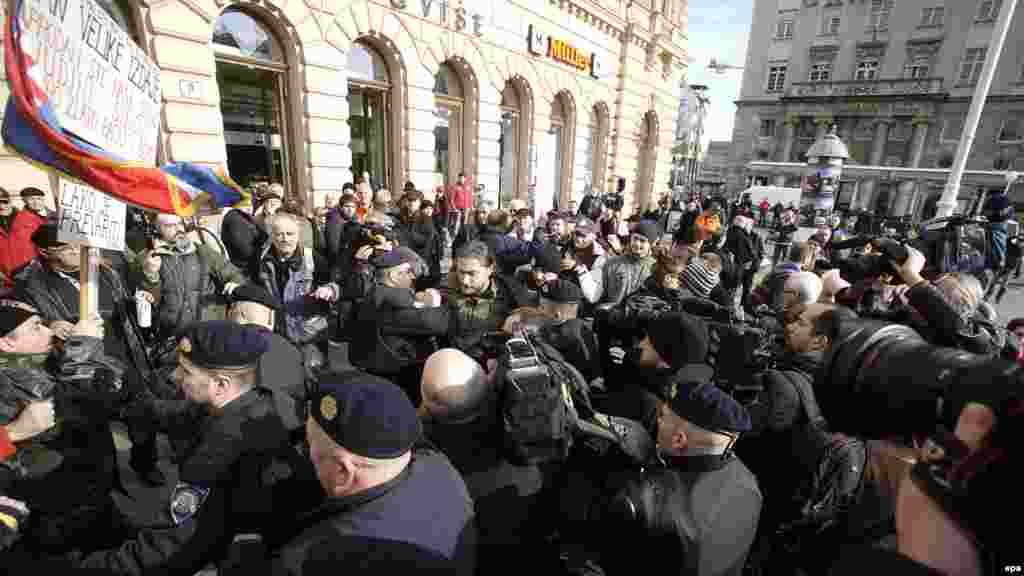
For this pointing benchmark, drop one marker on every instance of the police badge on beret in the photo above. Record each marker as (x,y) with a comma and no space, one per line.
(186,501)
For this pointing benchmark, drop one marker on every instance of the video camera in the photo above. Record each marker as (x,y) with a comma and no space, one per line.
(888,253)
(883,380)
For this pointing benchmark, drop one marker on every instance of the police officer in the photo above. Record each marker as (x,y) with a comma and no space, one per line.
(225,484)
(392,505)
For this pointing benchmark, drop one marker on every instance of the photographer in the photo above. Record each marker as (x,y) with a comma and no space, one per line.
(943,311)
(811,477)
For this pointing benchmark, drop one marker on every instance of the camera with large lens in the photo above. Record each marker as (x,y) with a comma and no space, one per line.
(614,202)
(888,254)
(884,380)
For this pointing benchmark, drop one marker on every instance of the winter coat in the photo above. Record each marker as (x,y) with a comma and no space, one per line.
(303,319)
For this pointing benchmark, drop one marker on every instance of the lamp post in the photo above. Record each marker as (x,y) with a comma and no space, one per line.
(699,91)
(825,159)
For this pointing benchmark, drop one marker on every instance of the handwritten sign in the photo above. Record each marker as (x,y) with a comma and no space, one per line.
(90,217)
(101,85)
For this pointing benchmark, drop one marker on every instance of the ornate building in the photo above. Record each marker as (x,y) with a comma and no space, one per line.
(530,98)
(894,78)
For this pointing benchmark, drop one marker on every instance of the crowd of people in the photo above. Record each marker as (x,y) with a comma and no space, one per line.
(427,385)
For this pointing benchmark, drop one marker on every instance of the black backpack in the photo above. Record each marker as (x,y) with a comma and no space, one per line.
(537,406)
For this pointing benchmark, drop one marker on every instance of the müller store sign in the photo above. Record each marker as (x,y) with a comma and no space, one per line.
(561,51)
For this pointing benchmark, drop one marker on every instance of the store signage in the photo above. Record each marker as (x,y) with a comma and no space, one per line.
(101,85)
(90,217)
(540,44)
(464,17)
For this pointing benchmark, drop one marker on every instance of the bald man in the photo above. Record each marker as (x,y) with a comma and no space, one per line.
(460,416)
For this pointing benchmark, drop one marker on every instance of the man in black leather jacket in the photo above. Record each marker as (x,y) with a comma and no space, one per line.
(65,475)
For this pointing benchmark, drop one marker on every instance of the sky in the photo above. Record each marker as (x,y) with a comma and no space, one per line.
(718,29)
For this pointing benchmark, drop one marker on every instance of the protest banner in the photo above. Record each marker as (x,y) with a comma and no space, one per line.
(89,217)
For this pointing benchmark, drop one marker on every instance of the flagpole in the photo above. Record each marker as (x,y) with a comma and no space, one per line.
(947,202)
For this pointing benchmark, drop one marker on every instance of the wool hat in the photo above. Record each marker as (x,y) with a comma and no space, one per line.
(366,415)
(694,397)
(699,277)
(4,194)
(348,198)
(679,338)
(45,236)
(648,229)
(32,191)
(11,317)
(223,344)
(255,293)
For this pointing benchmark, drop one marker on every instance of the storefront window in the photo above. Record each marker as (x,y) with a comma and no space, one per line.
(251,77)
(448,109)
(511,113)
(369,99)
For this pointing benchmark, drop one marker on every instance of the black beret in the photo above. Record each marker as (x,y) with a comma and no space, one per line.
(4,194)
(32,191)
(11,317)
(366,415)
(46,236)
(562,291)
(255,293)
(396,257)
(222,344)
(695,398)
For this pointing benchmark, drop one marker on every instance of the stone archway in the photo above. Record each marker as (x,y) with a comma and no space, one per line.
(647,159)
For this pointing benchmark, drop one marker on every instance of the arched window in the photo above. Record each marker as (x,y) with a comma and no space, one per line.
(252,79)
(594,164)
(455,121)
(647,150)
(369,104)
(516,113)
(559,150)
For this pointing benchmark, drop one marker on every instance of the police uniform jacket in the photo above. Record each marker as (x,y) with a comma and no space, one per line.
(420,521)
(703,513)
(225,489)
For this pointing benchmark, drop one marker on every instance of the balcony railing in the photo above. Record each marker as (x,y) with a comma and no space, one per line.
(848,88)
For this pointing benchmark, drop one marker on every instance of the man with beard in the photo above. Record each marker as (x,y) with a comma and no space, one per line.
(479,301)
(419,234)
(184,281)
(624,275)
(590,260)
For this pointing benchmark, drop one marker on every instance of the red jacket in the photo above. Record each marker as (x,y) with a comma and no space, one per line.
(461,197)
(16,248)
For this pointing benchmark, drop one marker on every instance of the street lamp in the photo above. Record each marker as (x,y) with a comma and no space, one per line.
(720,68)
(702,101)
(825,160)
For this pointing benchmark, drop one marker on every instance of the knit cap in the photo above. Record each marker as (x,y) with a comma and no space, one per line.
(699,277)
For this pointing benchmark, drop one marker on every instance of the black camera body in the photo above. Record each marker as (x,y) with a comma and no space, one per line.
(890,253)
(371,235)
(614,202)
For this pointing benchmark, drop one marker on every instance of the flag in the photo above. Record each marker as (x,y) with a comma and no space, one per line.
(32,130)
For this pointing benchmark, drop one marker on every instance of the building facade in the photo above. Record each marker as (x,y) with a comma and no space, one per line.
(894,78)
(713,168)
(534,99)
